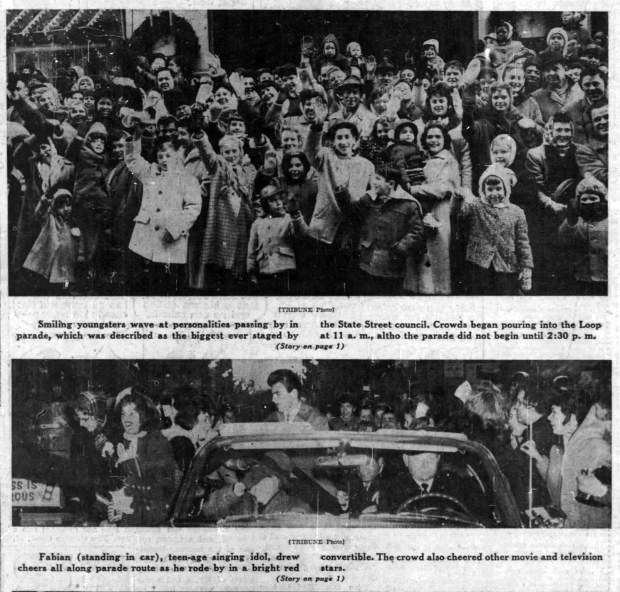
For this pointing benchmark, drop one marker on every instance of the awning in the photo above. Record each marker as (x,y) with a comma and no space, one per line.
(41,27)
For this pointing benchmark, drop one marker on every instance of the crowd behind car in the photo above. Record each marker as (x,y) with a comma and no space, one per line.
(336,174)
(550,435)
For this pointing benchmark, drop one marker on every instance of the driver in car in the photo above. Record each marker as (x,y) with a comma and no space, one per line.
(424,478)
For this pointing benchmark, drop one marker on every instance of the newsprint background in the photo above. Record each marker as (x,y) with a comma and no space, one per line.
(22,546)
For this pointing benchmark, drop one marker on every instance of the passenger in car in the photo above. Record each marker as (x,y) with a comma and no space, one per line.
(366,490)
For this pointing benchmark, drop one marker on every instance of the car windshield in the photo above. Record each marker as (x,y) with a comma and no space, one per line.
(362,481)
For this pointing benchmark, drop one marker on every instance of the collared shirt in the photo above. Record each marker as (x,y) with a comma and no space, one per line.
(292,413)
(425,486)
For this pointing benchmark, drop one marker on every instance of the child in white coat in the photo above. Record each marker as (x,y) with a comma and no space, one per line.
(171,202)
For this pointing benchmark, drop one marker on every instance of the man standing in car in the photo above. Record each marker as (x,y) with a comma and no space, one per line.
(285,388)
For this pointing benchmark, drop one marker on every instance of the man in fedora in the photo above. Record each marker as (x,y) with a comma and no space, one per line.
(352,110)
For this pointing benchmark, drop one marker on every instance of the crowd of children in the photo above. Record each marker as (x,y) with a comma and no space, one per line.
(337,175)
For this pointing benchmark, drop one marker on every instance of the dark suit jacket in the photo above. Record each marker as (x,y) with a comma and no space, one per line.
(361,498)
(465,490)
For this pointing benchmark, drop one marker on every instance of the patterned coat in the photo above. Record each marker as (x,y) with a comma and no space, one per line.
(497,237)
(230,214)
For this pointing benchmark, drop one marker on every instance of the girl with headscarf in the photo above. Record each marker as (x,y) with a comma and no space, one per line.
(499,117)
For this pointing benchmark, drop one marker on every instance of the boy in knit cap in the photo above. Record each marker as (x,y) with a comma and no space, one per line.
(585,232)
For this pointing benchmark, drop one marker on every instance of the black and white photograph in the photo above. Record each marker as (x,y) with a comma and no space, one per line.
(312,443)
(306,153)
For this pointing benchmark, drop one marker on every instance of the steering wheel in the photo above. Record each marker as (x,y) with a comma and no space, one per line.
(433,494)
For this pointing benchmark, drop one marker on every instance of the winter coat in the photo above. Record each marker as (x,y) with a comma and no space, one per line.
(307,414)
(230,213)
(126,197)
(528,107)
(170,202)
(334,171)
(195,166)
(37,123)
(479,131)
(497,237)
(305,193)
(593,158)
(40,179)
(581,114)
(550,102)
(391,231)
(92,198)
(430,274)
(460,150)
(588,448)
(151,479)
(410,158)
(548,169)
(589,243)
(272,241)
(55,251)
(363,119)
(321,60)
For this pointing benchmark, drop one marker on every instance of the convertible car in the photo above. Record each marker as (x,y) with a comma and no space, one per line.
(287,475)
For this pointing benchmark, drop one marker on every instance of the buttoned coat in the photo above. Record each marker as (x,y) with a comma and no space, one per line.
(171,201)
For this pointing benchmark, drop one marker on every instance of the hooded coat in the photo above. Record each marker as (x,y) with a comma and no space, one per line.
(588,240)
(55,251)
(92,198)
(338,60)
(498,234)
(507,51)
(391,230)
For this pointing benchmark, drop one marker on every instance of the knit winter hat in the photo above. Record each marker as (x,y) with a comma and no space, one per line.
(433,43)
(559,31)
(505,175)
(98,129)
(591,185)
